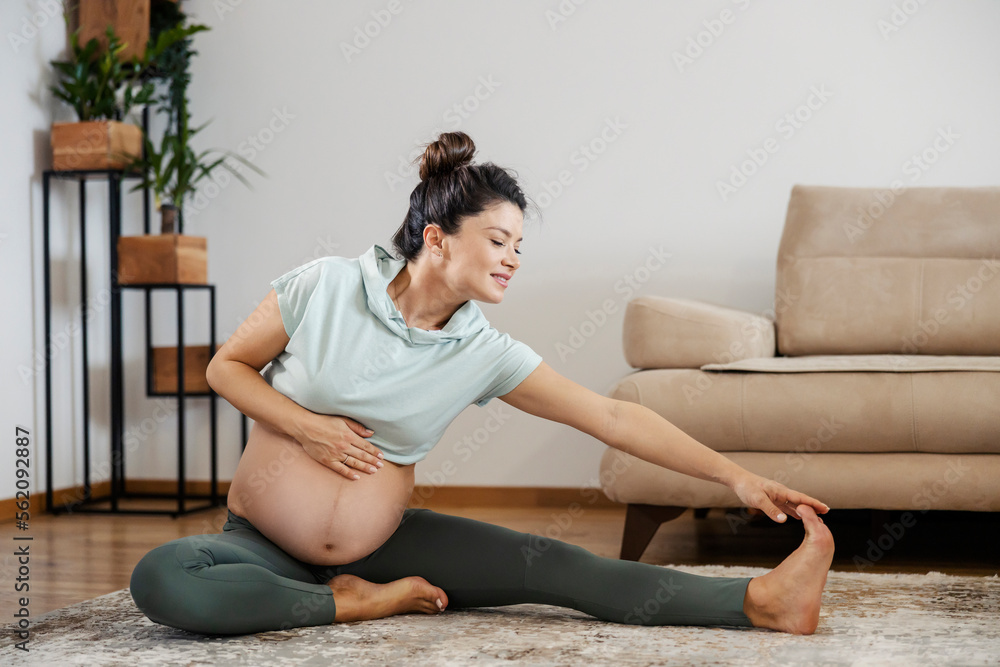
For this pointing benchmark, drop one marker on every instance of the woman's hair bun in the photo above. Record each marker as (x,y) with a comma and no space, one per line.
(458,190)
(451,151)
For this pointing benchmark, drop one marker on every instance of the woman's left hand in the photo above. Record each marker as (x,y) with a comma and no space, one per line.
(773,498)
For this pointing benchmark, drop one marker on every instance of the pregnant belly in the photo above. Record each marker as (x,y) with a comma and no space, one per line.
(313,513)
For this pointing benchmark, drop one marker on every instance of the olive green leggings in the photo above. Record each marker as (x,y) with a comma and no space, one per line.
(239,582)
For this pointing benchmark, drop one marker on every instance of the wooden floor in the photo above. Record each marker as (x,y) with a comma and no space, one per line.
(80,556)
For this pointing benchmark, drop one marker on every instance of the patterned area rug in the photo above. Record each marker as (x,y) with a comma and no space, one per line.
(867,619)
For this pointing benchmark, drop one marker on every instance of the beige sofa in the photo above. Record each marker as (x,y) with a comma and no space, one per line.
(873,383)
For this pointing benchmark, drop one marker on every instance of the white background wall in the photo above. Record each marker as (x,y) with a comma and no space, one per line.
(334,130)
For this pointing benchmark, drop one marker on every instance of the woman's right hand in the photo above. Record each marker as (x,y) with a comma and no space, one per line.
(333,439)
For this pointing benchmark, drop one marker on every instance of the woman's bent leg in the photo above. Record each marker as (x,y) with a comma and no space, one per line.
(479,564)
(234,582)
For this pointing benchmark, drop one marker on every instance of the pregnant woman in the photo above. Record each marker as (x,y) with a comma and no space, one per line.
(370,359)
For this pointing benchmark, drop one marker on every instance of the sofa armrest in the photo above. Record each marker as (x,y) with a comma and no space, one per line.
(661,332)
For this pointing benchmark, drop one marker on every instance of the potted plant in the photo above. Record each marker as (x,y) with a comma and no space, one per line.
(102,88)
(173,170)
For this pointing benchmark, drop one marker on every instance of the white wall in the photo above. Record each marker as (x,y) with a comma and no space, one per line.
(335,130)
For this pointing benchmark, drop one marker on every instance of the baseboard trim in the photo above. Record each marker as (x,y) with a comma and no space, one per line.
(423,495)
(37,505)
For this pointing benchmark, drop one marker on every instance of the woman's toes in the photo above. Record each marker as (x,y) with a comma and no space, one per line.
(423,590)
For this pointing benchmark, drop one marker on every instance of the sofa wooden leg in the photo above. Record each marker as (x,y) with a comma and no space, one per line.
(641,523)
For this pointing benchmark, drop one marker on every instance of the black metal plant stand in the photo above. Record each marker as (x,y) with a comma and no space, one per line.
(86,501)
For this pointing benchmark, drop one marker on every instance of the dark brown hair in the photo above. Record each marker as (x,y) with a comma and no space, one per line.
(452,188)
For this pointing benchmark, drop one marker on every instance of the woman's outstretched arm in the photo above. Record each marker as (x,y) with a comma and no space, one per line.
(641,432)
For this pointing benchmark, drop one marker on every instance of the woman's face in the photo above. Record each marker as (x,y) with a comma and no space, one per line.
(484,252)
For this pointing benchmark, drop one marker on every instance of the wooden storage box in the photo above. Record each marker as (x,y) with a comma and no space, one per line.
(94,144)
(162,258)
(196,358)
(130,19)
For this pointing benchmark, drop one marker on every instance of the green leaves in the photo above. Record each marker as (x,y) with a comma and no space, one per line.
(173,169)
(105,86)
(86,83)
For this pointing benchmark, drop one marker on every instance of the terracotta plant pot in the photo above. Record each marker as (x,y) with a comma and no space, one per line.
(94,144)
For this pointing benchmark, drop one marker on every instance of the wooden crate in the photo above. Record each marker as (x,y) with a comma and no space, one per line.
(94,144)
(162,258)
(130,19)
(196,358)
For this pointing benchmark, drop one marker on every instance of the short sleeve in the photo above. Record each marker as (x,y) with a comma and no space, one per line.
(294,290)
(512,361)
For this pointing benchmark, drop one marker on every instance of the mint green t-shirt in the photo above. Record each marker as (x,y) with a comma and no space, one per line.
(352,354)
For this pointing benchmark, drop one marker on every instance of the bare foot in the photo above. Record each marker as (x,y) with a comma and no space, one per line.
(360,600)
(788,597)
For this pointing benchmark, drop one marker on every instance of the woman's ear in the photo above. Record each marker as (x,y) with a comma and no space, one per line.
(433,238)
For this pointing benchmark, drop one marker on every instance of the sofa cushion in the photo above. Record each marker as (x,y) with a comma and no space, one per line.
(939,412)
(917,482)
(661,332)
(873,271)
